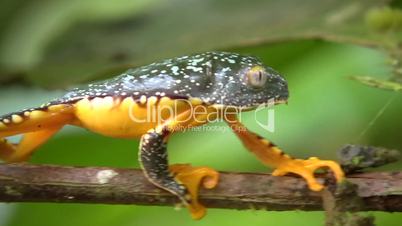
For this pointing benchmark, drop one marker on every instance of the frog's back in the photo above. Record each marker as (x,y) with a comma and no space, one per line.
(122,106)
(195,76)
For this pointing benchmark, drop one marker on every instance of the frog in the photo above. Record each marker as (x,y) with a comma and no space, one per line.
(200,88)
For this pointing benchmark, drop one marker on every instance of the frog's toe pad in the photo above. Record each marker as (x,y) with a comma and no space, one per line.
(192,178)
(306,169)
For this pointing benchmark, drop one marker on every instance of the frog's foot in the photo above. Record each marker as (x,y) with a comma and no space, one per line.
(192,178)
(306,169)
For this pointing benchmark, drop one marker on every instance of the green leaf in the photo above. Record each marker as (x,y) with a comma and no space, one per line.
(379,83)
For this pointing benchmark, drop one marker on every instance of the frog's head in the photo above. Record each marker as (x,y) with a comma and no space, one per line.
(245,82)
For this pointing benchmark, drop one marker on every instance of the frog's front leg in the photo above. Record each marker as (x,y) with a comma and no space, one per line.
(271,155)
(181,180)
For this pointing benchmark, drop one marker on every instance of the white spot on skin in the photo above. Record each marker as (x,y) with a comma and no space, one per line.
(196,61)
(146,137)
(152,100)
(104,176)
(143,99)
(175,69)
(195,69)
(16,119)
(226,69)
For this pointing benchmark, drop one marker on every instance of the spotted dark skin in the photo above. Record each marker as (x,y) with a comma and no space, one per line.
(185,92)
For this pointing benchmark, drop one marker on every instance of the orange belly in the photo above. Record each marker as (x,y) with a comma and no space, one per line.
(126,118)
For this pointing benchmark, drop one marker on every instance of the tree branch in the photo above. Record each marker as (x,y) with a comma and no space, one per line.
(45,183)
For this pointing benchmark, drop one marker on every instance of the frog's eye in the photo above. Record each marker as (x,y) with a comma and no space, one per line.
(256,77)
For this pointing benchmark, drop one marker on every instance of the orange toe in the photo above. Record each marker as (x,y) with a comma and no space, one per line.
(192,178)
(306,169)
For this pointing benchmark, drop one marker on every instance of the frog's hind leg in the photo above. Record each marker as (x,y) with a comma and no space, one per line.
(36,126)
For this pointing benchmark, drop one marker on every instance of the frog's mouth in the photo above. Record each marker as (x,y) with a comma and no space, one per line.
(281,101)
(269,103)
(265,105)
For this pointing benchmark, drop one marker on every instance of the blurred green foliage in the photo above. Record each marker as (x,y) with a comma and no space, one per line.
(58,43)
(79,41)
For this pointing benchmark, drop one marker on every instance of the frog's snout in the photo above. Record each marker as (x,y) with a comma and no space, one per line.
(278,86)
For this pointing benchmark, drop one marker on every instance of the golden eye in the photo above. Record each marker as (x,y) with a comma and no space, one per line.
(256,77)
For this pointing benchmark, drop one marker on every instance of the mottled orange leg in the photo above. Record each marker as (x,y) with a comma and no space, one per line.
(36,126)
(192,178)
(272,156)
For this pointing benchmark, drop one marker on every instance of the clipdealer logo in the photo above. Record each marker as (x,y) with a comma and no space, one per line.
(158,114)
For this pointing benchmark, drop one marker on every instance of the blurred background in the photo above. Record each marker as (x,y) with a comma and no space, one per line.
(49,46)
